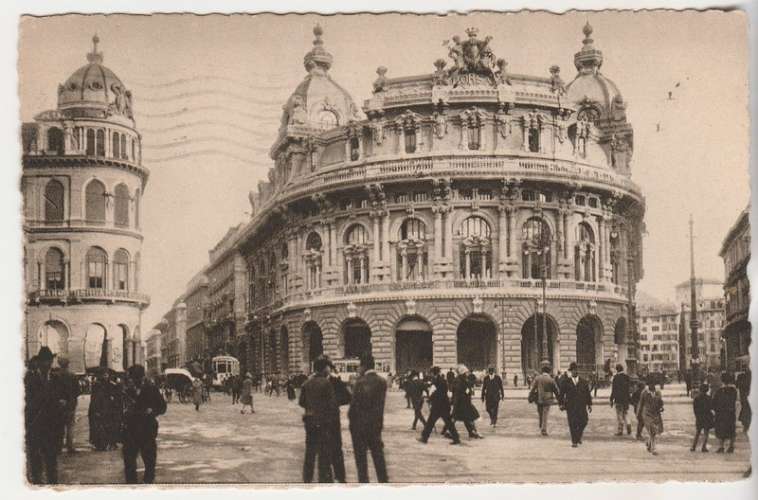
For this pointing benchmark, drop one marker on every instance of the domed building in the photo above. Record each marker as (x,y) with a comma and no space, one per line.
(82,183)
(468,215)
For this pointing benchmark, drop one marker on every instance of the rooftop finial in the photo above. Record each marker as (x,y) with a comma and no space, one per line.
(95,56)
(587,30)
(318,58)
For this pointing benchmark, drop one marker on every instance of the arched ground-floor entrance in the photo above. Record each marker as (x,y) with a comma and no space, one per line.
(589,345)
(532,333)
(313,344)
(413,345)
(357,336)
(476,343)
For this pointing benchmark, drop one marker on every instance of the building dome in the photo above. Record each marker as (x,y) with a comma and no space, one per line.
(591,92)
(95,86)
(318,102)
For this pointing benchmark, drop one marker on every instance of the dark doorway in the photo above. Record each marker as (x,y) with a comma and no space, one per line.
(357,337)
(476,343)
(531,343)
(314,340)
(587,331)
(413,346)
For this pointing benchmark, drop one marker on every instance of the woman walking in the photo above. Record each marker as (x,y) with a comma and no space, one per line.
(725,409)
(246,396)
(650,409)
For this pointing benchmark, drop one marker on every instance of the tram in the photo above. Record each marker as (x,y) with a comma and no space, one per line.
(224,367)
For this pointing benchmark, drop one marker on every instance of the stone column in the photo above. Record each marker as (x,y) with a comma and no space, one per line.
(468,264)
(449,235)
(463,144)
(332,235)
(327,240)
(502,242)
(404,265)
(437,233)
(386,239)
(482,136)
(349,261)
(511,237)
(401,141)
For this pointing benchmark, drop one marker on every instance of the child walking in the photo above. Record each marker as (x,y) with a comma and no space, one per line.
(702,405)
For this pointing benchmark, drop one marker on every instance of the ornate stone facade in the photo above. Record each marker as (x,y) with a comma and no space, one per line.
(82,183)
(735,250)
(423,230)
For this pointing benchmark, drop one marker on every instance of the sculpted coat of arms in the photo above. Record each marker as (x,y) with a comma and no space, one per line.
(474,63)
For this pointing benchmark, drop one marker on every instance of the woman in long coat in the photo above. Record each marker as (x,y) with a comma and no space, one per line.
(246,395)
(463,409)
(649,410)
(725,410)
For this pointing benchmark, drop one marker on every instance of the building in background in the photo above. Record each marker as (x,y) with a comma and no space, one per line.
(225,306)
(710,316)
(173,336)
(735,250)
(196,300)
(82,184)
(153,353)
(659,337)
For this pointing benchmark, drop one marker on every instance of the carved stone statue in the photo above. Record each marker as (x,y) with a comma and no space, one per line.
(502,72)
(503,123)
(440,76)
(297,113)
(381,82)
(556,82)
(377,131)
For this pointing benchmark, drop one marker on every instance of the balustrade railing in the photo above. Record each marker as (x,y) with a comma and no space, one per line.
(88,293)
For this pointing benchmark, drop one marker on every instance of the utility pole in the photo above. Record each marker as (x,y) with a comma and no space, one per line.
(695,363)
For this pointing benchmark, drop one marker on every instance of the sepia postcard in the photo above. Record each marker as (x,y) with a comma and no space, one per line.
(484,247)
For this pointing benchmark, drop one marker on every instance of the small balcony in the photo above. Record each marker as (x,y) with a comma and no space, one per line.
(88,294)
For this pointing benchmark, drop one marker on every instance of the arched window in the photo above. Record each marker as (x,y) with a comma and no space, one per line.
(410,140)
(100,145)
(534,140)
(355,148)
(537,250)
(95,202)
(475,249)
(97,262)
(474,137)
(584,254)
(123,146)
(90,142)
(356,255)
(134,155)
(327,120)
(54,270)
(121,269)
(412,257)
(121,213)
(55,140)
(313,260)
(54,200)
(115,145)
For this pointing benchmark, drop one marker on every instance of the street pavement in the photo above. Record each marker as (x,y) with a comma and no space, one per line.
(219,445)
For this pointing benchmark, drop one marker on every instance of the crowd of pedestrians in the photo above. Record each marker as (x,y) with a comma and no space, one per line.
(123,410)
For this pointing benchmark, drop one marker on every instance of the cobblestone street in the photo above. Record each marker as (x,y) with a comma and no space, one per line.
(219,445)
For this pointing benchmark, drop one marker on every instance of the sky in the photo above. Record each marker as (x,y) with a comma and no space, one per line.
(208,92)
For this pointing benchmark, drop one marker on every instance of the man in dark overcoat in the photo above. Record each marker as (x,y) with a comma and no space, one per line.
(366,415)
(492,394)
(72,390)
(320,404)
(576,399)
(620,396)
(143,403)
(440,408)
(343,397)
(45,406)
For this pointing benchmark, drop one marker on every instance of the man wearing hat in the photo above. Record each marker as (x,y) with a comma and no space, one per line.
(576,399)
(144,403)
(440,403)
(366,416)
(546,392)
(320,404)
(492,394)
(71,389)
(620,396)
(415,390)
(43,415)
